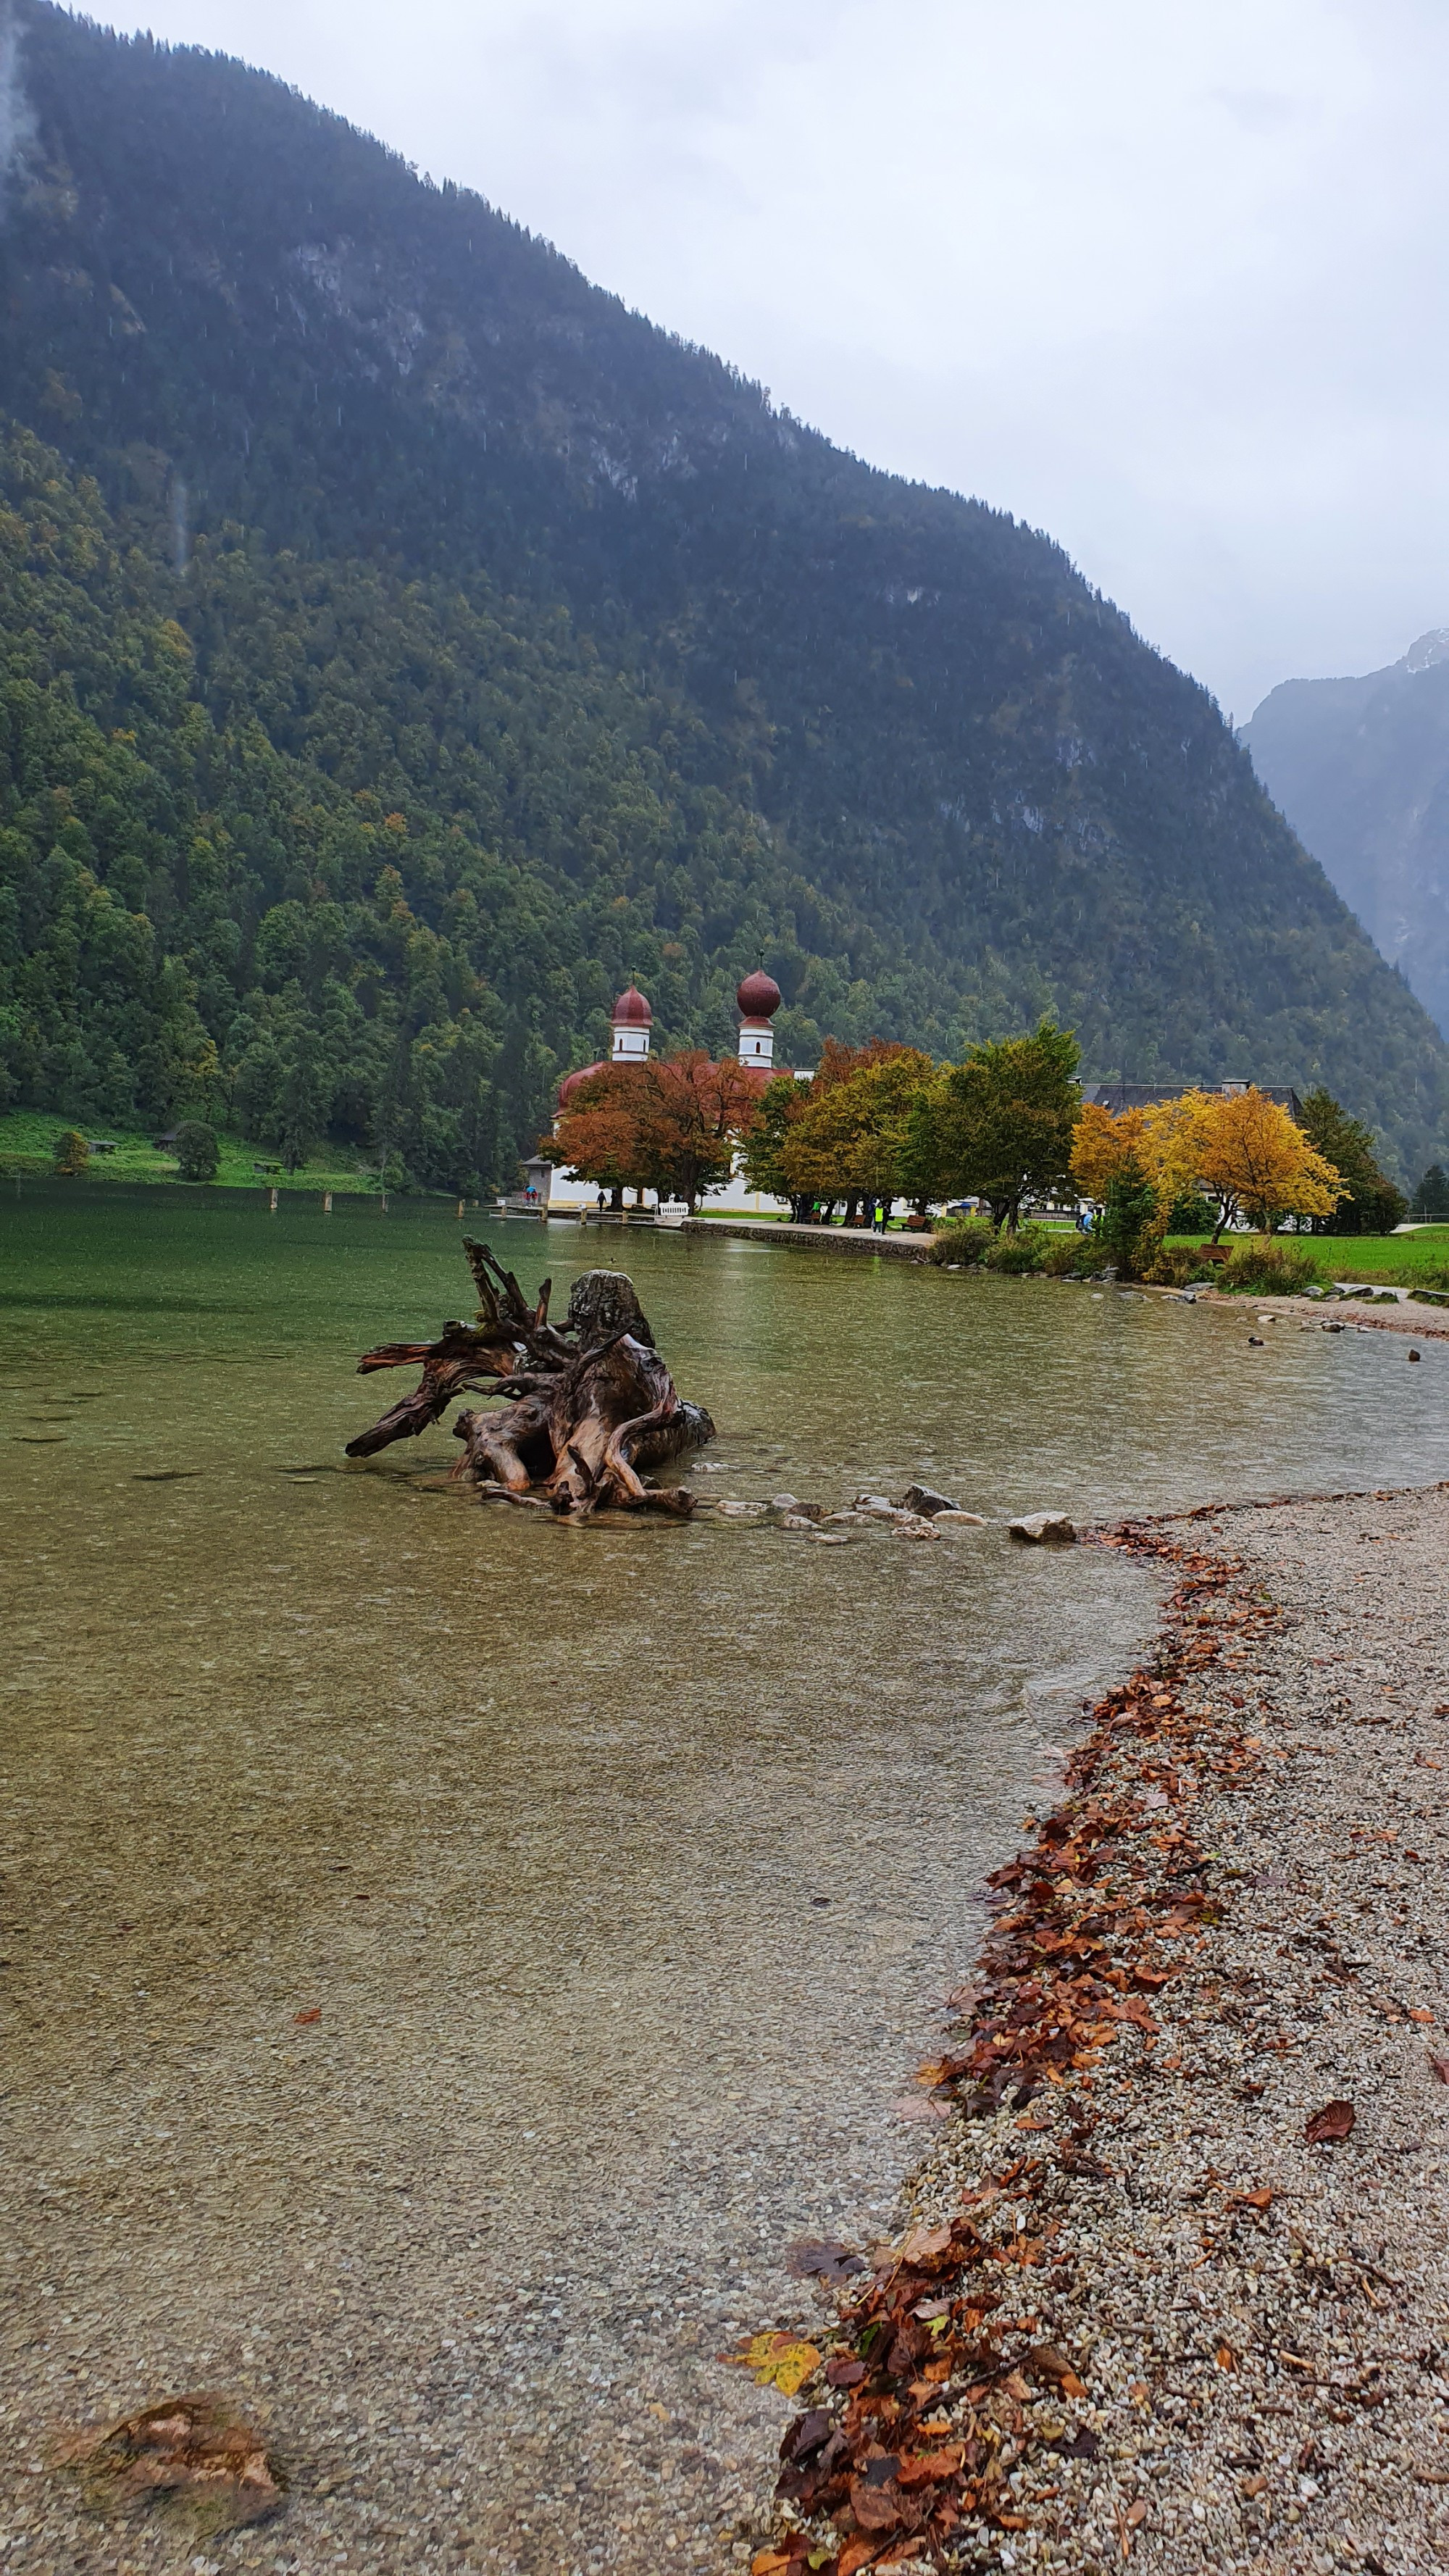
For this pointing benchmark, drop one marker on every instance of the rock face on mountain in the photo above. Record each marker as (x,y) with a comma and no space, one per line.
(484,647)
(1361,770)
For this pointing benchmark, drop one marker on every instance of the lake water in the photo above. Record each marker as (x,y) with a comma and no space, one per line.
(624,1868)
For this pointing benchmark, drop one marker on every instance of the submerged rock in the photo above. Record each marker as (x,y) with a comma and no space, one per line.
(924,1498)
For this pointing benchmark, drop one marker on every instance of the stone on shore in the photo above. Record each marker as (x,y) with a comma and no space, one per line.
(1039,1529)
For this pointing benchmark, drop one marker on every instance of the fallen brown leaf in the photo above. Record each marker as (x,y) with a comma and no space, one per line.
(822,2258)
(924,2243)
(312,2013)
(194,2453)
(1334,2121)
(1045,2361)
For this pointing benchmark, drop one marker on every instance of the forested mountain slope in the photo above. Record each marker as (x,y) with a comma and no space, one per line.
(1361,769)
(488,601)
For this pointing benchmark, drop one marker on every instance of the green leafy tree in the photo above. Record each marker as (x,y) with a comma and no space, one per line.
(1370,1203)
(1001,1124)
(305,1096)
(1431,1198)
(782,1105)
(197,1151)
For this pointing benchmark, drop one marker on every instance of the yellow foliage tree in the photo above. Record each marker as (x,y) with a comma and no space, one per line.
(1103,1147)
(1240,1147)
(1245,1151)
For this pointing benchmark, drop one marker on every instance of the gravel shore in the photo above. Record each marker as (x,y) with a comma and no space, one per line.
(1139,2316)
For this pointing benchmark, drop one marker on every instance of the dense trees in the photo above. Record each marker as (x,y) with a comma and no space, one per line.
(438,644)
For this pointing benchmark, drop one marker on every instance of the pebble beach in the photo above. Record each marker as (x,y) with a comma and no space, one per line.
(1179,2294)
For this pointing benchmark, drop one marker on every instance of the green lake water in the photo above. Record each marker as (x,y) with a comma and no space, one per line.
(623,1867)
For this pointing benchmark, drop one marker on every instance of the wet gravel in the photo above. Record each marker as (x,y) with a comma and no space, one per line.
(1262,2324)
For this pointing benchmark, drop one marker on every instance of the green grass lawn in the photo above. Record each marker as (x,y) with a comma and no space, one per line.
(1397,1260)
(27,1140)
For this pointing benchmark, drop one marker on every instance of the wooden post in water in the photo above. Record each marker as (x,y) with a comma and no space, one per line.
(273,1209)
(327,1202)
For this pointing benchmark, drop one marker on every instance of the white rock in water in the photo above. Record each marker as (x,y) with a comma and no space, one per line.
(975,1520)
(877,1503)
(796,1520)
(1035,1527)
(783,1502)
(739,1511)
(915,1525)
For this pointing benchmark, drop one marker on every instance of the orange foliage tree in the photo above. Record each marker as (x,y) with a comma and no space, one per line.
(673,1125)
(1105,1148)
(600,1135)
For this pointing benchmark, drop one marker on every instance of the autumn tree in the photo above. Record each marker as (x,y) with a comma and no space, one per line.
(70,1153)
(1003,1122)
(851,1139)
(1245,1151)
(1105,1147)
(600,1135)
(1110,1165)
(673,1124)
(693,1114)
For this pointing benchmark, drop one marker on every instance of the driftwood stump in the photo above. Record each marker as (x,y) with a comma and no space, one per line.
(590,1402)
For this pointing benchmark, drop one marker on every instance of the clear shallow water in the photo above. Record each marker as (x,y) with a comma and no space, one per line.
(626,1865)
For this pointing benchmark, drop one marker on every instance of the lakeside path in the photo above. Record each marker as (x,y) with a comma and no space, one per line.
(1138,2315)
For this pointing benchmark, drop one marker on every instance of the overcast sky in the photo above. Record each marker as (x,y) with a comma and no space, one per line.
(1165,277)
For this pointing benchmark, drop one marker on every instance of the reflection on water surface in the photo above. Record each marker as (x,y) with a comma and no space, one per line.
(626,1864)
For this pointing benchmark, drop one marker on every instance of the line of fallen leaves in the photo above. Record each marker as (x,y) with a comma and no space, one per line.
(922,2383)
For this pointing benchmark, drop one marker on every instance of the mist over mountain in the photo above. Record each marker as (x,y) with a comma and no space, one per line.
(403,644)
(1360,767)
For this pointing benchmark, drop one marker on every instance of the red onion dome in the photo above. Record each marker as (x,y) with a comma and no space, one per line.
(631,1011)
(759,995)
(571,1082)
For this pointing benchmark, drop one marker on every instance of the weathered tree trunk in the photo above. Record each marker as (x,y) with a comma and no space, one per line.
(591,1403)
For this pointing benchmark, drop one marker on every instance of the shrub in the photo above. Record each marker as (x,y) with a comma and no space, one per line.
(197,1150)
(1176,1264)
(70,1153)
(963,1239)
(1071,1256)
(1018,1253)
(1265,1269)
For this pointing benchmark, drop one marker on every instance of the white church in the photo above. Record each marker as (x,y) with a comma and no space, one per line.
(552,1190)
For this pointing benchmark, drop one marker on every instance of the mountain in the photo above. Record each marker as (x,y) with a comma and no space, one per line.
(404,644)
(1361,770)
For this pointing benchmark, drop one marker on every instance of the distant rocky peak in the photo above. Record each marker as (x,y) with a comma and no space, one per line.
(1430,648)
